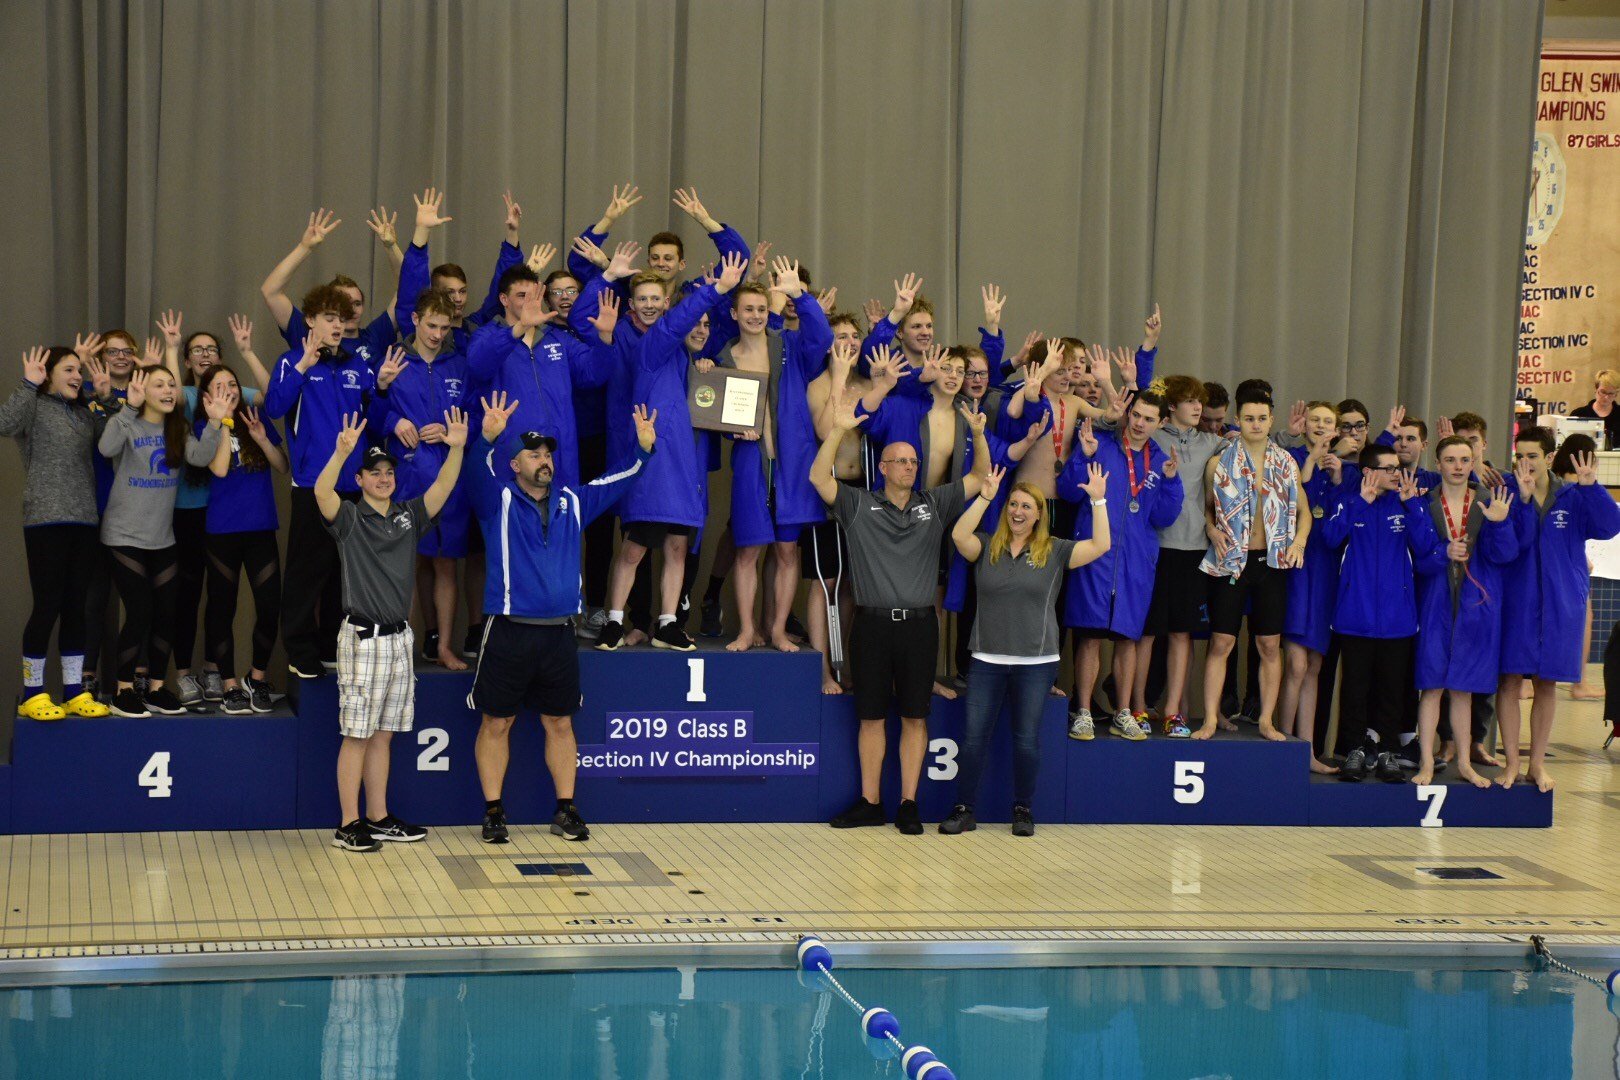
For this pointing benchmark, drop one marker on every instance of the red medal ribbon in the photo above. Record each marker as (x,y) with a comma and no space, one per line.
(1452,528)
(1130,465)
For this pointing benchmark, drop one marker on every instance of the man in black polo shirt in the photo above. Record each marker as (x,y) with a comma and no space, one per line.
(894,545)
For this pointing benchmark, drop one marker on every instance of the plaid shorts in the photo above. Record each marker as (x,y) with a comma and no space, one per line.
(376,682)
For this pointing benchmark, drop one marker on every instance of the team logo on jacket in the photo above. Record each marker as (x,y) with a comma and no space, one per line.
(554,351)
(1560,519)
(351,379)
(1397,523)
(452,387)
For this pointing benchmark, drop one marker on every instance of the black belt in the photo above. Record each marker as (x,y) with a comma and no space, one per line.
(897,614)
(364,629)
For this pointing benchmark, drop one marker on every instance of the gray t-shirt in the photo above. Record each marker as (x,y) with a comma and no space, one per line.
(378,553)
(894,553)
(140,507)
(1018,602)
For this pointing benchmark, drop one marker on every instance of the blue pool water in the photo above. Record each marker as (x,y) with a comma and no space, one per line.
(989,1024)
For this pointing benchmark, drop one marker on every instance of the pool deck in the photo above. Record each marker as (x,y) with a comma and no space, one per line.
(111,900)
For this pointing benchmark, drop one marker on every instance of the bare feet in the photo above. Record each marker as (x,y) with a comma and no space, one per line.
(784,643)
(829,686)
(946,692)
(1468,774)
(1448,751)
(1319,767)
(1225,725)
(1542,778)
(759,641)
(448,657)
(1206,731)
(743,643)
(1423,775)
(1269,730)
(1483,756)
(1510,774)
(1581,692)
(1058,691)
(635,637)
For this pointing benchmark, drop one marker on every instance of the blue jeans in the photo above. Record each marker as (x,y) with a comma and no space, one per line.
(1025,687)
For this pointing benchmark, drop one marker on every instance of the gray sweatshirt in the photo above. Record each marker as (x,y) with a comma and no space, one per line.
(1194,448)
(56,438)
(140,510)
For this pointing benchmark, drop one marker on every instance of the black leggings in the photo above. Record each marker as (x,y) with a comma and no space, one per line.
(58,561)
(190,541)
(146,581)
(97,569)
(228,555)
(1611,677)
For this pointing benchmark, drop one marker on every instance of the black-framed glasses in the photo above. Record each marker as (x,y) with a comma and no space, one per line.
(977,376)
(1362,426)
(204,350)
(1384,468)
(118,352)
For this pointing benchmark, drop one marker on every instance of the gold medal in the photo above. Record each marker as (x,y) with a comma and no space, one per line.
(1316,512)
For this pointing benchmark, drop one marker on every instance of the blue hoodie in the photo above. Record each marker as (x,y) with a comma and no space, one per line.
(1459,642)
(422,393)
(1382,542)
(370,346)
(1313,589)
(415,276)
(315,403)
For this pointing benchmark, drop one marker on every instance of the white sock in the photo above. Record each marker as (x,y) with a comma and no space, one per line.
(33,673)
(665,620)
(616,616)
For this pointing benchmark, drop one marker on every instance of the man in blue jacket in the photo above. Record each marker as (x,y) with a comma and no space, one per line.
(528,657)
(316,386)
(1385,532)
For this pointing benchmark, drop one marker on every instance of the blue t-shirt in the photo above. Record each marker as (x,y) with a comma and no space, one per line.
(193,495)
(243,500)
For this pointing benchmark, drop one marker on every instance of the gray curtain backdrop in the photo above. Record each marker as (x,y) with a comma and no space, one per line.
(1326,193)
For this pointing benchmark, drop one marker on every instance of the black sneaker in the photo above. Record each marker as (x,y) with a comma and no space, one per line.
(392,829)
(143,683)
(1023,821)
(494,827)
(671,636)
(907,819)
(860,815)
(258,692)
(795,628)
(1388,769)
(567,824)
(611,637)
(131,704)
(237,702)
(960,821)
(1354,769)
(709,625)
(162,701)
(430,646)
(92,685)
(471,643)
(355,837)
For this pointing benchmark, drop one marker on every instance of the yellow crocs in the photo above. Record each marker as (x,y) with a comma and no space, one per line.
(40,707)
(85,705)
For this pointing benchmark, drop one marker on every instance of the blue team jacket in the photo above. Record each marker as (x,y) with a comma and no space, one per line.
(415,276)
(1460,614)
(1112,593)
(619,387)
(1544,609)
(1382,542)
(1313,589)
(316,401)
(532,553)
(422,394)
(371,345)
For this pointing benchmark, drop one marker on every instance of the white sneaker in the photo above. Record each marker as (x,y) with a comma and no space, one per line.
(1126,727)
(1081,726)
(591,628)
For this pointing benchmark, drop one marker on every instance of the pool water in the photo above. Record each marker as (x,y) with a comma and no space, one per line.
(1021,1023)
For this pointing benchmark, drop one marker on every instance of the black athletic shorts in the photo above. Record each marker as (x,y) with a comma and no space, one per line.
(650,534)
(1095,633)
(524,666)
(1261,589)
(1180,591)
(824,552)
(893,662)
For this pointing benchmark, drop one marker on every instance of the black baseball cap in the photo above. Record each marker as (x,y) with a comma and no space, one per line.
(534,440)
(376,455)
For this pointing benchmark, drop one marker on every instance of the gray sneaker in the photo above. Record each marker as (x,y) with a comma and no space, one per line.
(213,686)
(189,689)
(1126,727)
(591,628)
(1082,727)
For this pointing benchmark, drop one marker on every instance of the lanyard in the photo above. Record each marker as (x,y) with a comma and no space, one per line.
(1130,465)
(1452,529)
(1057,428)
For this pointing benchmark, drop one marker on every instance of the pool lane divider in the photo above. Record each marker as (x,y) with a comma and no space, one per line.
(918,1062)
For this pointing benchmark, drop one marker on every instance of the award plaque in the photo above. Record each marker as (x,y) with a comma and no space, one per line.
(727,400)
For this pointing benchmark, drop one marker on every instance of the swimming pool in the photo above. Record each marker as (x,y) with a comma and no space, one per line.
(1018,1023)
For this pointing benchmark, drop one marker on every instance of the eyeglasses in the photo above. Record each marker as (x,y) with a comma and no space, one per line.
(911,461)
(118,352)
(1384,468)
(204,350)
(564,292)
(977,376)
(1362,426)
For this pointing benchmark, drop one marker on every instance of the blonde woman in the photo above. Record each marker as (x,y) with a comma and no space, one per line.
(1015,646)
(1606,384)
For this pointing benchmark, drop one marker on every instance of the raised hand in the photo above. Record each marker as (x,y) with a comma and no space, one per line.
(1054,359)
(540,256)
(1409,488)
(587,250)
(393,363)
(321,224)
(242,332)
(1397,416)
(786,274)
(534,314)
(135,393)
(384,225)
(1443,428)
(85,347)
(95,369)
(1096,482)
(687,200)
(623,263)
(843,359)
(905,293)
(1585,469)
(975,417)
(1029,343)
(884,364)
(623,199)
(514,216)
(1098,356)
(217,406)
(455,427)
(1171,464)
(873,310)
(496,413)
(1150,330)
(255,424)
(1369,485)
(34,365)
(1296,419)
(844,418)
(430,209)
(1125,360)
(607,316)
(1038,428)
(646,426)
(349,436)
(1525,474)
(930,363)
(828,299)
(731,272)
(761,260)
(312,352)
(994,300)
(1087,438)
(1499,506)
(1119,399)
(992,483)
(154,351)
(168,325)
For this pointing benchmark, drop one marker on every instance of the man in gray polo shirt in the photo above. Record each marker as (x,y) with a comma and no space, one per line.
(895,537)
(376,539)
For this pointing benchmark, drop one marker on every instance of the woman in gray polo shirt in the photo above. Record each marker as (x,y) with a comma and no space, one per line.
(1018,571)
